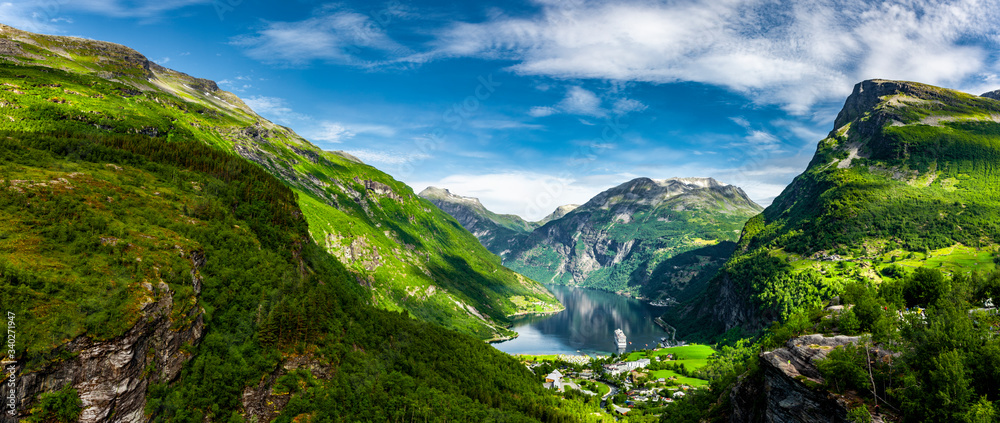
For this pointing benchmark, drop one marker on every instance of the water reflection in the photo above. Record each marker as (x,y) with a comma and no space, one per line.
(587,325)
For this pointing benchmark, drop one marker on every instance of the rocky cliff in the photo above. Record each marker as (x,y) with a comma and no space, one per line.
(787,388)
(113,376)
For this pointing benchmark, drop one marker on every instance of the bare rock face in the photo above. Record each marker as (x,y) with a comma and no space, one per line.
(995,94)
(112,377)
(781,393)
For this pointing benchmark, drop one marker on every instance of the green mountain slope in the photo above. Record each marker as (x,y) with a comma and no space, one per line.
(497,232)
(908,178)
(410,255)
(175,282)
(648,238)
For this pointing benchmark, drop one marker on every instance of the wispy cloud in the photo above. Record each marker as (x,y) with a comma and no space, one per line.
(274,108)
(387,157)
(628,105)
(339,132)
(130,8)
(791,53)
(334,35)
(542,111)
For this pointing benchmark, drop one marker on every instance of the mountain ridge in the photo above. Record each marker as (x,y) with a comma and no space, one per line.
(367,219)
(902,181)
(603,233)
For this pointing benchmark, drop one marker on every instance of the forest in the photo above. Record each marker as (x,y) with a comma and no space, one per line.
(269,292)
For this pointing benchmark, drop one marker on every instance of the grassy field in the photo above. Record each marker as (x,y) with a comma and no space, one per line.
(656,374)
(691,356)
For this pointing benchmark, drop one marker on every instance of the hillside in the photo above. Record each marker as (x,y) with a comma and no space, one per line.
(408,254)
(178,283)
(906,179)
(497,232)
(650,238)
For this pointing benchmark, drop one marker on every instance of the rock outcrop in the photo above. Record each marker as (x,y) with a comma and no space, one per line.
(995,94)
(112,377)
(782,392)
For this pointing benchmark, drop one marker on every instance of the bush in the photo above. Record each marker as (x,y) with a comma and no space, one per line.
(924,287)
(859,415)
(849,323)
(844,368)
(60,406)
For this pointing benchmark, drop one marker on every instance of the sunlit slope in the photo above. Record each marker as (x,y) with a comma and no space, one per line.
(408,253)
(908,178)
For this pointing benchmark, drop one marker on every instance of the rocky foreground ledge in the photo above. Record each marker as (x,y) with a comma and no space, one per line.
(789,386)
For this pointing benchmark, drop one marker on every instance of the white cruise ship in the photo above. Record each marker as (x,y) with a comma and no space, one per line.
(620,339)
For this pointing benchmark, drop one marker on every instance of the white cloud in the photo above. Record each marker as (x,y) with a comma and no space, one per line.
(792,53)
(579,101)
(337,36)
(502,124)
(42,16)
(388,157)
(332,132)
(338,132)
(627,105)
(130,8)
(542,111)
(275,109)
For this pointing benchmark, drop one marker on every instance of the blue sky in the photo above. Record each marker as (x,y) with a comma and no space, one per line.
(532,104)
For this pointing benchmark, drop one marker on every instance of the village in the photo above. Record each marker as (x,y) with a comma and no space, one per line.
(642,381)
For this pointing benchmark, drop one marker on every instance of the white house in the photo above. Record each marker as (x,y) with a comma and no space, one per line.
(553,380)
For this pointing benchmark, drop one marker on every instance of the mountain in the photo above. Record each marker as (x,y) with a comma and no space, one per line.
(407,253)
(653,238)
(906,179)
(558,213)
(497,232)
(168,255)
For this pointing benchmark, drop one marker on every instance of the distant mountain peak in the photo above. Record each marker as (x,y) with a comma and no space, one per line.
(699,182)
(558,213)
(444,194)
(995,94)
(655,191)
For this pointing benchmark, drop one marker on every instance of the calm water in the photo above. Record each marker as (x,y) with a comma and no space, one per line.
(587,325)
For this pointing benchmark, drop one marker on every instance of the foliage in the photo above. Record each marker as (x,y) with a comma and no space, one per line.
(268,291)
(348,205)
(62,406)
(845,368)
(859,415)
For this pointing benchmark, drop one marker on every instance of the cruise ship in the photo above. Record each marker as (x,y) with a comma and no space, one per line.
(620,339)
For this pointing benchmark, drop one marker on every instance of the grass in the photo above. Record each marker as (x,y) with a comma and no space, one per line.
(391,240)
(692,357)
(682,380)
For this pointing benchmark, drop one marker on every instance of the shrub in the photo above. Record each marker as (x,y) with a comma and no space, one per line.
(60,406)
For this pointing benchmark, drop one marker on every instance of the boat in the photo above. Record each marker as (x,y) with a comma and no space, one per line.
(620,339)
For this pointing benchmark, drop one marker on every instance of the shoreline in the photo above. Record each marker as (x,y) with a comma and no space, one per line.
(536,313)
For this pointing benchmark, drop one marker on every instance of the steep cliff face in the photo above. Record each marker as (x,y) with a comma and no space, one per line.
(113,376)
(781,393)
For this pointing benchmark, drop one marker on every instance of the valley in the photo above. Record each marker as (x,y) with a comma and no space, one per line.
(169,254)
